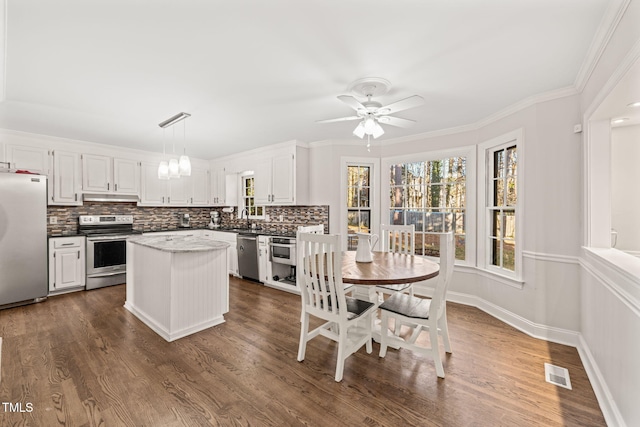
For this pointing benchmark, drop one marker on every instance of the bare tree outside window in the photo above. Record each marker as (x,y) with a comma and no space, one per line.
(432,196)
(358,203)
(502,208)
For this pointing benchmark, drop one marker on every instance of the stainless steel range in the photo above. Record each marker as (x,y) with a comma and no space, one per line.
(106,248)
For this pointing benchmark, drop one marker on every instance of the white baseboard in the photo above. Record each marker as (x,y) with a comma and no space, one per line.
(535,330)
(607,404)
(557,335)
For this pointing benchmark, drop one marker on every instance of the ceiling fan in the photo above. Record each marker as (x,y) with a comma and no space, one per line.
(372,113)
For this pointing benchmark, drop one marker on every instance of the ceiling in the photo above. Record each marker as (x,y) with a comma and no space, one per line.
(253,72)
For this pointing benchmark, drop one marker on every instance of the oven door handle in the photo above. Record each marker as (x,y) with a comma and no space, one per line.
(106,238)
(283,245)
(105,274)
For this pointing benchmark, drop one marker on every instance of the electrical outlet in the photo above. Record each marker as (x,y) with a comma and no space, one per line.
(281,218)
(266,217)
(53,220)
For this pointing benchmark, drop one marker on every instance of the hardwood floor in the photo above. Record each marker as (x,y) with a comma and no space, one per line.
(81,359)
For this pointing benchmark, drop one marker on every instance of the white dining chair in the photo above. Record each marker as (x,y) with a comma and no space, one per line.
(397,239)
(423,314)
(314,229)
(348,321)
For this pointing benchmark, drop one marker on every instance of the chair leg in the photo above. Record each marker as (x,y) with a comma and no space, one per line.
(342,343)
(304,330)
(384,331)
(435,350)
(369,345)
(444,328)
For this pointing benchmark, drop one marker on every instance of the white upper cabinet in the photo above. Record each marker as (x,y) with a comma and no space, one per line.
(126,176)
(224,188)
(33,159)
(96,173)
(184,191)
(281,179)
(199,187)
(103,174)
(178,191)
(218,187)
(65,184)
(153,191)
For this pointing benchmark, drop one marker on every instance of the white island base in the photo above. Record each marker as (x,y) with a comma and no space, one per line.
(177,286)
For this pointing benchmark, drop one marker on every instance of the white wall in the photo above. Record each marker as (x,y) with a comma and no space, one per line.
(625,195)
(610,283)
(547,304)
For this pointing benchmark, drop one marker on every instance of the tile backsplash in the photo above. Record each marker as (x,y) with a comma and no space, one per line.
(168,218)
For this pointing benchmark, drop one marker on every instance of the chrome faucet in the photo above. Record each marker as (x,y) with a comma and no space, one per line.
(246,212)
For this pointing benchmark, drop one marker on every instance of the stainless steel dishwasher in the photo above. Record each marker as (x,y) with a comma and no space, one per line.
(248,257)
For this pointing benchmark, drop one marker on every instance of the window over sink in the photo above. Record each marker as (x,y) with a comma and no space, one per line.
(248,199)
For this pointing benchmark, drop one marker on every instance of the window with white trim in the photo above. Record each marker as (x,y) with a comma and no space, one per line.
(248,199)
(431,195)
(500,205)
(501,208)
(358,203)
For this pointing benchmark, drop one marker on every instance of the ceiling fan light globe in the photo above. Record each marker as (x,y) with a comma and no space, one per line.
(184,165)
(377,131)
(359,130)
(369,125)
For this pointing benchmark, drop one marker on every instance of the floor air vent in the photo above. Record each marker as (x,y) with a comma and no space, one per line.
(557,375)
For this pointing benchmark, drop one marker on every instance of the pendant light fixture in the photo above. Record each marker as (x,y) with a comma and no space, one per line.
(184,163)
(172,168)
(163,168)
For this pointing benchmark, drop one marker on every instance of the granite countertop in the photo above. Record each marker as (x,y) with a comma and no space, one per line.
(246,231)
(179,243)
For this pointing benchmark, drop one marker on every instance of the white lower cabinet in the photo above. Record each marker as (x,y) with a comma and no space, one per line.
(232,250)
(264,270)
(66,263)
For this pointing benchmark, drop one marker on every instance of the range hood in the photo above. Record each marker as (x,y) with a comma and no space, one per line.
(99,197)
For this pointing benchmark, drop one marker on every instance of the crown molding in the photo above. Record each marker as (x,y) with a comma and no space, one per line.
(499,115)
(601,39)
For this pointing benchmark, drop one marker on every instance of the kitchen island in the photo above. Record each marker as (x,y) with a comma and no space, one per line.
(177,285)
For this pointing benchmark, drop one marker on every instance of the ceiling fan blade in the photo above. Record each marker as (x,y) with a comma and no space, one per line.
(396,121)
(403,104)
(352,102)
(341,119)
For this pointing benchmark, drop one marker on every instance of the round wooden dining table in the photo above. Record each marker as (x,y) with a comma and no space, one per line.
(387,268)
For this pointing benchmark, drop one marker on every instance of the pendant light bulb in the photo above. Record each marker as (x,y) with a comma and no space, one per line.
(163,167)
(184,165)
(174,168)
(184,162)
(163,170)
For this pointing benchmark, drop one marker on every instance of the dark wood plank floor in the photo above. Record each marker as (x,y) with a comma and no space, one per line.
(81,359)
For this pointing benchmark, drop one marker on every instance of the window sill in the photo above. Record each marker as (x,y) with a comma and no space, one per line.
(501,278)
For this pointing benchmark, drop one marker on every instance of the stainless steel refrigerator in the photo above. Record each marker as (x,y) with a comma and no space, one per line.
(23,238)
